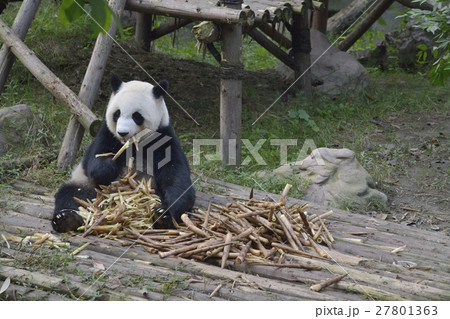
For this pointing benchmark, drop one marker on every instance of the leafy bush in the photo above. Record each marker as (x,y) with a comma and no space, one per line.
(99,11)
(435,21)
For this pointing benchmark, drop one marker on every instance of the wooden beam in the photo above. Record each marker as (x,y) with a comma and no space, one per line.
(346,16)
(89,89)
(373,16)
(231,92)
(50,81)
(168,27)
(262,16)
(192,10)
(20,27)
(279,10)
(272,48)
(270,31)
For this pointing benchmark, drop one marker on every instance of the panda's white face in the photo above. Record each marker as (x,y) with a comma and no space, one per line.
(134,106)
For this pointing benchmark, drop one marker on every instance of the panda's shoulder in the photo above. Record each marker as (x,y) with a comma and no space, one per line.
(167,130)
(104,142)
(104,136)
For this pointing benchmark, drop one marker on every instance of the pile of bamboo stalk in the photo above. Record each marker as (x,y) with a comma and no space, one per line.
(125,203)
(250,230)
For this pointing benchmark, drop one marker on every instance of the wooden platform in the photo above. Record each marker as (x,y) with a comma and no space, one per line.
(362,250)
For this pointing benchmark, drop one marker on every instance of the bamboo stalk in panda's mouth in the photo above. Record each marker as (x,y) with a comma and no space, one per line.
(135,139)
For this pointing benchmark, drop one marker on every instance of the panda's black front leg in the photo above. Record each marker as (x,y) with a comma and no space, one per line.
(65,216)
(103,170)
(175,203)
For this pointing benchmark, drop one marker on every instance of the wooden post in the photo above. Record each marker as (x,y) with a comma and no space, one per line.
(231,89)
(89,89)
(373,16)
(143,30)
(20,27)
(320,18)
(48,79)
(301,48)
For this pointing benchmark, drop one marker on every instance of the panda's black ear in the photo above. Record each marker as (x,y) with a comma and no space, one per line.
(160,89)
(116,82)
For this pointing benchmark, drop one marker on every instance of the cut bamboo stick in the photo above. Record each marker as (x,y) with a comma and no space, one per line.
(226,249)
(192,227)
(243,253)
(289,228)
(318,287)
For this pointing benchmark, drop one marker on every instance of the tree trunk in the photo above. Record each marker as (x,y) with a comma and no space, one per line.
(20,27)
(373,16)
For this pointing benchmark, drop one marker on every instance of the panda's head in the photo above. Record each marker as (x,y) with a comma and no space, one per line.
(134,106)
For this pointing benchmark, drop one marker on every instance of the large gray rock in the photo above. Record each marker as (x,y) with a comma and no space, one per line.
(339,71)
(15,123)
(336,177)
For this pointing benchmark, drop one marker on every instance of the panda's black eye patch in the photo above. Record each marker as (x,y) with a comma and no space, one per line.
(138,119)
(116,115)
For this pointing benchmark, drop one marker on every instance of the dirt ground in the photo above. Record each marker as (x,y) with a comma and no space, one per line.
(418,188)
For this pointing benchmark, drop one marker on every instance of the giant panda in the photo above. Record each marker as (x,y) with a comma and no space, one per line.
(133,106)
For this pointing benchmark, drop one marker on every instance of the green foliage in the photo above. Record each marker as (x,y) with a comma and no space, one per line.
(255,57)
(70,10)
(422,54)
(296,115)
(98,10)
(369,40)
(435,21)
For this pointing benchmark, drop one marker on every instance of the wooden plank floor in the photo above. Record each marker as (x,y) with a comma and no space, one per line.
(134,274)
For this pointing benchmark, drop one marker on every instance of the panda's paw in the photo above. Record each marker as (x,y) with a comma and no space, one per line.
(105,171)
(164,219)
(160,211)
(66,220)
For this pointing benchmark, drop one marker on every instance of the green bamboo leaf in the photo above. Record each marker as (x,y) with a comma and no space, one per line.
(303,115)
(70,10)
(102,15)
